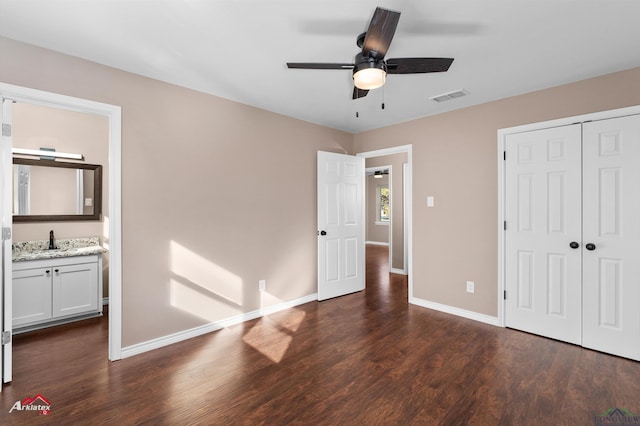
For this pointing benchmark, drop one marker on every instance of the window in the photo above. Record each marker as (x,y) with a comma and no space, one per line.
(382,195)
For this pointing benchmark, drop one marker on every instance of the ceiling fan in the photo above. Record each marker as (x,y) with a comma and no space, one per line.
(370,69)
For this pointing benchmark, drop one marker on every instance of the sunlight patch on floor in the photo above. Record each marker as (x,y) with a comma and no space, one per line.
(267,339)
(272,335)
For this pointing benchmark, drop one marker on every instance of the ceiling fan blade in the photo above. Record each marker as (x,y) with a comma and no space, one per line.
(380,33)
(359,93)
(417,65)
(319,66)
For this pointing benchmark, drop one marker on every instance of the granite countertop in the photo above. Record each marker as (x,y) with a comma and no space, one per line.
(37,250)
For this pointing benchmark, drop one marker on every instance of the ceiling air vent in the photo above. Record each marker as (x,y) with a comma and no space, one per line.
(448,96)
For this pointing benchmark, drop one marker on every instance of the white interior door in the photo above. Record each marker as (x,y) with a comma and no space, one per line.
(341,245)
(7,220)
(543,209)
(611,224)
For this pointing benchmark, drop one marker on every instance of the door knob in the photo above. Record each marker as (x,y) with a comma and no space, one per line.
(574,245)
(323,232)
(590,246)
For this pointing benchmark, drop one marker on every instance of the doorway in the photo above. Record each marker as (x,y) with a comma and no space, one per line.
(112,221)
(378,197)
(398,161)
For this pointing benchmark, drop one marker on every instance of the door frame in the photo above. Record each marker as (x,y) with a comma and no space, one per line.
(6,290)
(502,136)
(114,115)
(408,204)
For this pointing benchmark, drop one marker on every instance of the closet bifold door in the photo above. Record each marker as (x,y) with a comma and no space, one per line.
(611,236)
(543,209)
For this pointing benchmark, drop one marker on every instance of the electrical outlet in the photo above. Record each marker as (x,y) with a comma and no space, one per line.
(262,285)
(470,286)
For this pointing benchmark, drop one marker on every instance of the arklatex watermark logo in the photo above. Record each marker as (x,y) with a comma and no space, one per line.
(37,403)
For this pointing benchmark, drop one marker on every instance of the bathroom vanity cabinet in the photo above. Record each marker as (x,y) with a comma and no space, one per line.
(54,291)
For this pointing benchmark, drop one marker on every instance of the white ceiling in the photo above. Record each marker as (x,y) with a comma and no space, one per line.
(237,49)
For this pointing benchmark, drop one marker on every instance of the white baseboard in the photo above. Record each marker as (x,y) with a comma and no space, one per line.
(487,319)
(376,243)
(170,339)
(397,271)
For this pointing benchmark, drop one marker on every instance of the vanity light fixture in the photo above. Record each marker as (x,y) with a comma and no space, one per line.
(377,174)
(43,153)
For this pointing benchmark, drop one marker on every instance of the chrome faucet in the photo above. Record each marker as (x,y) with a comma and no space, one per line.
(51,244)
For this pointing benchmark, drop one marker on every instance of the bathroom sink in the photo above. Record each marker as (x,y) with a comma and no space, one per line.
(55,250)
(36,250)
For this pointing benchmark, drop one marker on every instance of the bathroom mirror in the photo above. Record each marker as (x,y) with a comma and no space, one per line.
(47,191)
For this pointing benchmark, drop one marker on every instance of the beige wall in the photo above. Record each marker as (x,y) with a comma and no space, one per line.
(397,204)
(215,195)
(455,160)
(375,233)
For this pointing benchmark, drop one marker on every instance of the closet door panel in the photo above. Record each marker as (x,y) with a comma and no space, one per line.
(611,225)
(543,193)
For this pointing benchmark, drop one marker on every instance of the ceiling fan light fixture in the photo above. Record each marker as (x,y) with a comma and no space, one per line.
(369,75)
(370,68)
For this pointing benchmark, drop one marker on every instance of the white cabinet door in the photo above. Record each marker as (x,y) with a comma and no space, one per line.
(75,289)
(611,223)
(31,296)
(543,211)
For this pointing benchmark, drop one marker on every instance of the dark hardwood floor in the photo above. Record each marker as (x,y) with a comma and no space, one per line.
(363,359)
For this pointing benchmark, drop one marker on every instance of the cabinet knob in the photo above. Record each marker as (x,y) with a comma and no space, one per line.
(56,270)
(48,271)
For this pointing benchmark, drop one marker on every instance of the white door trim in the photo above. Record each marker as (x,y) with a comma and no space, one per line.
(114,114)
(6,222)
(502,136)
(408,203)
(406,192)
